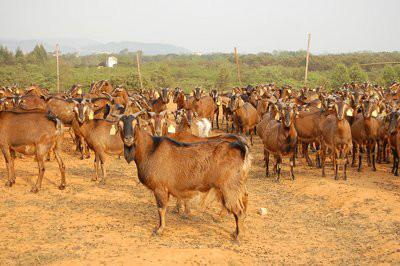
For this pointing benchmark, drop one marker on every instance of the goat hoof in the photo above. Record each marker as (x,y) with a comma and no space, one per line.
(34,189)
(9,183)
(61,187)
(102,183)
(374,169)
(396,174)
(236,237)
(157,232)
(93,179)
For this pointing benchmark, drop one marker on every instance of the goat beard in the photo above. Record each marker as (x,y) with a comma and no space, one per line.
(129,153)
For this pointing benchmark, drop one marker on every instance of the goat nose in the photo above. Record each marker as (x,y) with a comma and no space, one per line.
(128,139)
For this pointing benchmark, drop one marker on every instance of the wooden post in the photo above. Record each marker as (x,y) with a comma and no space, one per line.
(237,65)
(307,59)
(138,69)
(58,67)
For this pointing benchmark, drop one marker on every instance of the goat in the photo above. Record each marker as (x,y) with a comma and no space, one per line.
(163,167)
(365,131)
(393,133)
(33,133)
(100,135)
(160,104)
(336,136)
(246,116)
(279,137)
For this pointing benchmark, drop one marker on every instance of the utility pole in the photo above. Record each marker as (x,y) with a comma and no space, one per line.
(307,59)
(58,67)
(237,65)
(138,68)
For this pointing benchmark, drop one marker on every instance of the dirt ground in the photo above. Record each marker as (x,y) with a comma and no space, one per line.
(311,220)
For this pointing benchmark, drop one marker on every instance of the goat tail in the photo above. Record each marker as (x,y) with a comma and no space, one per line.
(204,127)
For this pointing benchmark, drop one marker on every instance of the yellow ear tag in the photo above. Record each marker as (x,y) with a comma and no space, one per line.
(349,112)
(277,116)
(383,113)
(319,105)
(374,113)
(289,91)
(113,130)
(218,102)
(171,129)
(91,115)
(79,91)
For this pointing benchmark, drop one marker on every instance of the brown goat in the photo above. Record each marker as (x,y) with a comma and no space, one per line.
(32,133)
(100,135)
(336,136)
(246,116)
(163,167)
(279,137)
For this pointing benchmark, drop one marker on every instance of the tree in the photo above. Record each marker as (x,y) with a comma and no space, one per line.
(357,74)
(6,56)
(19,55)
(339,75)
(223,79)
(161,77)
(38,55)
(388,75)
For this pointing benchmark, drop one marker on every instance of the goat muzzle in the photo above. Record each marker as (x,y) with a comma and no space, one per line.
(128,141)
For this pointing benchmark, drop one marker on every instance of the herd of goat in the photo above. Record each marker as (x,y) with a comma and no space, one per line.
(174,151)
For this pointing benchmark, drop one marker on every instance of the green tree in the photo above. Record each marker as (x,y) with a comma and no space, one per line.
(161,77)
(19,55)
(38,55)
(223,79)
(388,75)
(339,75)
(357,74)
(6,56)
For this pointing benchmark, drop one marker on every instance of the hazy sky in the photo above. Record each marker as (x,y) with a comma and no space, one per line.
(212,25)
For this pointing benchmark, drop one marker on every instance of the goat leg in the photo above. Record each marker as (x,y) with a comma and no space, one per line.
(278,167)
(161,196)
(10,166)
(292,167)
(96,166)
(266,157)
(103,171)
(353,160)
(61,166)
(373,158)
(323,160)
(40,161)
(360,155)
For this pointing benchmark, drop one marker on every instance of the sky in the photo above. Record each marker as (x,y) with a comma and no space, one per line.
(212,25)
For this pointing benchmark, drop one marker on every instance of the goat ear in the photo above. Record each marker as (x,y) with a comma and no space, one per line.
(350,112)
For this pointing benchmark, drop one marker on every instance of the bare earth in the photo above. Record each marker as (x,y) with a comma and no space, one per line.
(312,220)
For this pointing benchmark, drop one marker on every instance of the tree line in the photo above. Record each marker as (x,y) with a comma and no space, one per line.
(216,70)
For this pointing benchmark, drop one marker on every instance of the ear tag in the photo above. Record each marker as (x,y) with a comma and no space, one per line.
(289,91)
(374,113)
(319,105)
(277,116)
(79,91)
(113,130)
(171,129)
(349,112)
(91,115)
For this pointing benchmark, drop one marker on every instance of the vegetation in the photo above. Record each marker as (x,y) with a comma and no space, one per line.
(187,71)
